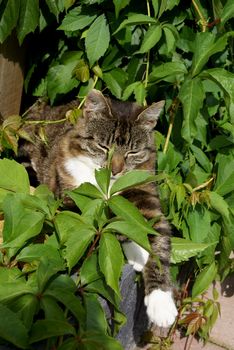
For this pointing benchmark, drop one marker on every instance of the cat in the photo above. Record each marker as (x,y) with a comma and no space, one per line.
(74,152)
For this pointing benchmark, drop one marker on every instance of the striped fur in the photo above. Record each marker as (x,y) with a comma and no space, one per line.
(74,152)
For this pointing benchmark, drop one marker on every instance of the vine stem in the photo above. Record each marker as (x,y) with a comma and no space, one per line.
(202,18)
(205,184)
(48,122)
(91,249)
(84,98)
(168,136)
(173,109)
(148,56)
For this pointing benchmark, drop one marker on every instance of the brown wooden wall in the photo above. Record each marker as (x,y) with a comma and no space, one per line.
(11,76)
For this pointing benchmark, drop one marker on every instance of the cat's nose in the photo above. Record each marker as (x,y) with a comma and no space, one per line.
(117,164)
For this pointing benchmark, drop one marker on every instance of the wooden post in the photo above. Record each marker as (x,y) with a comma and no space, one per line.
(11,76)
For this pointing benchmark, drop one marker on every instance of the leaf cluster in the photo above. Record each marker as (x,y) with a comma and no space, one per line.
(142,51)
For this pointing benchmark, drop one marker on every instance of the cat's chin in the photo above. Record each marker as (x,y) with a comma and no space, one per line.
(161,308)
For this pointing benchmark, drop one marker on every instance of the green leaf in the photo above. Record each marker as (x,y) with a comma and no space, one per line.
(90,270)
(213,237)
(60,80)
(120,5)
(100,287)
(95,316)
(97,39)
(43,329)
(9,275)
(20,225)
(204,279)
(183,249)
(126,210)
(87,190)
(135,19)
(155,7)
(110,260)
(48,268)
(81,71)
(131,179)
(26,307)
(9,18)
(191,95)
(170,38)
(93,212)
(45,204)
(129,90)
(12,328)
(167,5)
(165,70)
(219,142)
(225,178)
(76,20)
(224,79)
(37,251)
(201,158)
(51,308)
(205,47)
(77,242)
(103,179)
(69,299)
(101,341)
(69,344)
(67,222)
(169,161)
(11,290)
(219,204)
(130,230)
(28,18)
(151,37)
(198,221)
(140,93)
(13,176)
(64,282)
(53,7)
(228,11)
(115,80)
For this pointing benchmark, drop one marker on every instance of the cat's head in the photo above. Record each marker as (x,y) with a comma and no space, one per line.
(125,125)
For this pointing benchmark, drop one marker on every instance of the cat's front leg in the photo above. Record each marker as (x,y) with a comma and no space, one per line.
(136,255)
(160,307)
(159,301)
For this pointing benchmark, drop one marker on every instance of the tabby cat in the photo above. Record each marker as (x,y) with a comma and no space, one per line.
(74,152)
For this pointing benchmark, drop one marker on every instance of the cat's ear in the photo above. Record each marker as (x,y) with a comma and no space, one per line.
(149,117)
(95,104)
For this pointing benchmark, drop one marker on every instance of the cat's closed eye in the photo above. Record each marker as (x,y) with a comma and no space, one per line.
(136,154)
(132,153)
(103,147)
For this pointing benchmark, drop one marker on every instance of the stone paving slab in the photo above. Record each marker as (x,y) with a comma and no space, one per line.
(195,345)
(222,335)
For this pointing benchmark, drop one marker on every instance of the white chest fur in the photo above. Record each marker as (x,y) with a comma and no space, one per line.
(82,169)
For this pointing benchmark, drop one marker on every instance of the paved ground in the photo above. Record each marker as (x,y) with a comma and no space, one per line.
(222,335)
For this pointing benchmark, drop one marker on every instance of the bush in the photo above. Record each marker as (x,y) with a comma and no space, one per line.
(144,51)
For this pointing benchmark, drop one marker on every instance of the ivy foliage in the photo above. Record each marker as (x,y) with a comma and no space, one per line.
(42,246)
(134,50)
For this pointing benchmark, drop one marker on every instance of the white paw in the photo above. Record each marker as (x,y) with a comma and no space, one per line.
(136,255)
(161,308)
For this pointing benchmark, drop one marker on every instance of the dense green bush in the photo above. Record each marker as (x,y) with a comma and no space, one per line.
(144,51)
